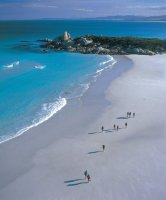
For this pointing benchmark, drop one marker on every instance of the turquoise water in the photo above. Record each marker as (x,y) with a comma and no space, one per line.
(33,85)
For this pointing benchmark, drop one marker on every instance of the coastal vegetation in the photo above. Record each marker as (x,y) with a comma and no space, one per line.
(106,45)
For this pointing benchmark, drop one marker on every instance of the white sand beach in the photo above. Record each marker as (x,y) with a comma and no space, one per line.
(48,162)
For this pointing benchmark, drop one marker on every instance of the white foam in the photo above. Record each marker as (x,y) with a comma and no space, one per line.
(11,65)
(49,110)
(16,63)
(39,67)
(77,92)
(99,70)
(85,87)
(107,64)
(80,90)
(110,59)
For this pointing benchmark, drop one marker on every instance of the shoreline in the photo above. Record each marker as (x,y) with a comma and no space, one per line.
(27,128)
(49,161)
(62,101)
(79,104)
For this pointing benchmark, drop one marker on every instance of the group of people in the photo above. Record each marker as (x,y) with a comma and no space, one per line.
(116,127)
(129,114)
(87,176)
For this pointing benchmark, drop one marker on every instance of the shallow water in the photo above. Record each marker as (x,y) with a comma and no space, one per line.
(33,85)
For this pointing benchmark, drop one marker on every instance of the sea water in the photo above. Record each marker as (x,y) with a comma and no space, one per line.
(33,85)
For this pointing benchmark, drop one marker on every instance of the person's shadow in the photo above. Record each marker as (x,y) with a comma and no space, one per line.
(122,118)
(108,130)
(96,132)
(92,152)
(75,182)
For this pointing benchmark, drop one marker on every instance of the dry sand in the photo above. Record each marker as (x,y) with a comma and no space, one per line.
(48,162)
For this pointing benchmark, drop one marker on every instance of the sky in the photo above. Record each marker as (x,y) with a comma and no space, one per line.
(37,9)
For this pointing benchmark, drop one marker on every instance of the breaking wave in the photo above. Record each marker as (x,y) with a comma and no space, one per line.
(47,111)
(11,65)
(39,67)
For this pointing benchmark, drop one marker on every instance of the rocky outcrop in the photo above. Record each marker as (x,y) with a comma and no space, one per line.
(106,45)
(66,36)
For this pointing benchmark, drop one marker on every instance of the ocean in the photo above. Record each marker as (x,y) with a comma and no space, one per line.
(34,86)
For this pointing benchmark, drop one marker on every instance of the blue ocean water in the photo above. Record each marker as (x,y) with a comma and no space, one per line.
(33,85)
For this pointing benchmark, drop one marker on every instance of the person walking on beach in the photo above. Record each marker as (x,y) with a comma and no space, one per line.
(114,126)
(88,177)
(126,124)
(133,114)
(85,173)
(117,128)
(127,114)
(102,128)
(103,146)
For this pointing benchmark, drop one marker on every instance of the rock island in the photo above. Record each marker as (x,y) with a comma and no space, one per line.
(91,44)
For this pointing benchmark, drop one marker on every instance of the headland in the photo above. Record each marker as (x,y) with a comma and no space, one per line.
(91,44)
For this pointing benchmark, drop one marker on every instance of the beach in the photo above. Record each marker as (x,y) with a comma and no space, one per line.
(48,161)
